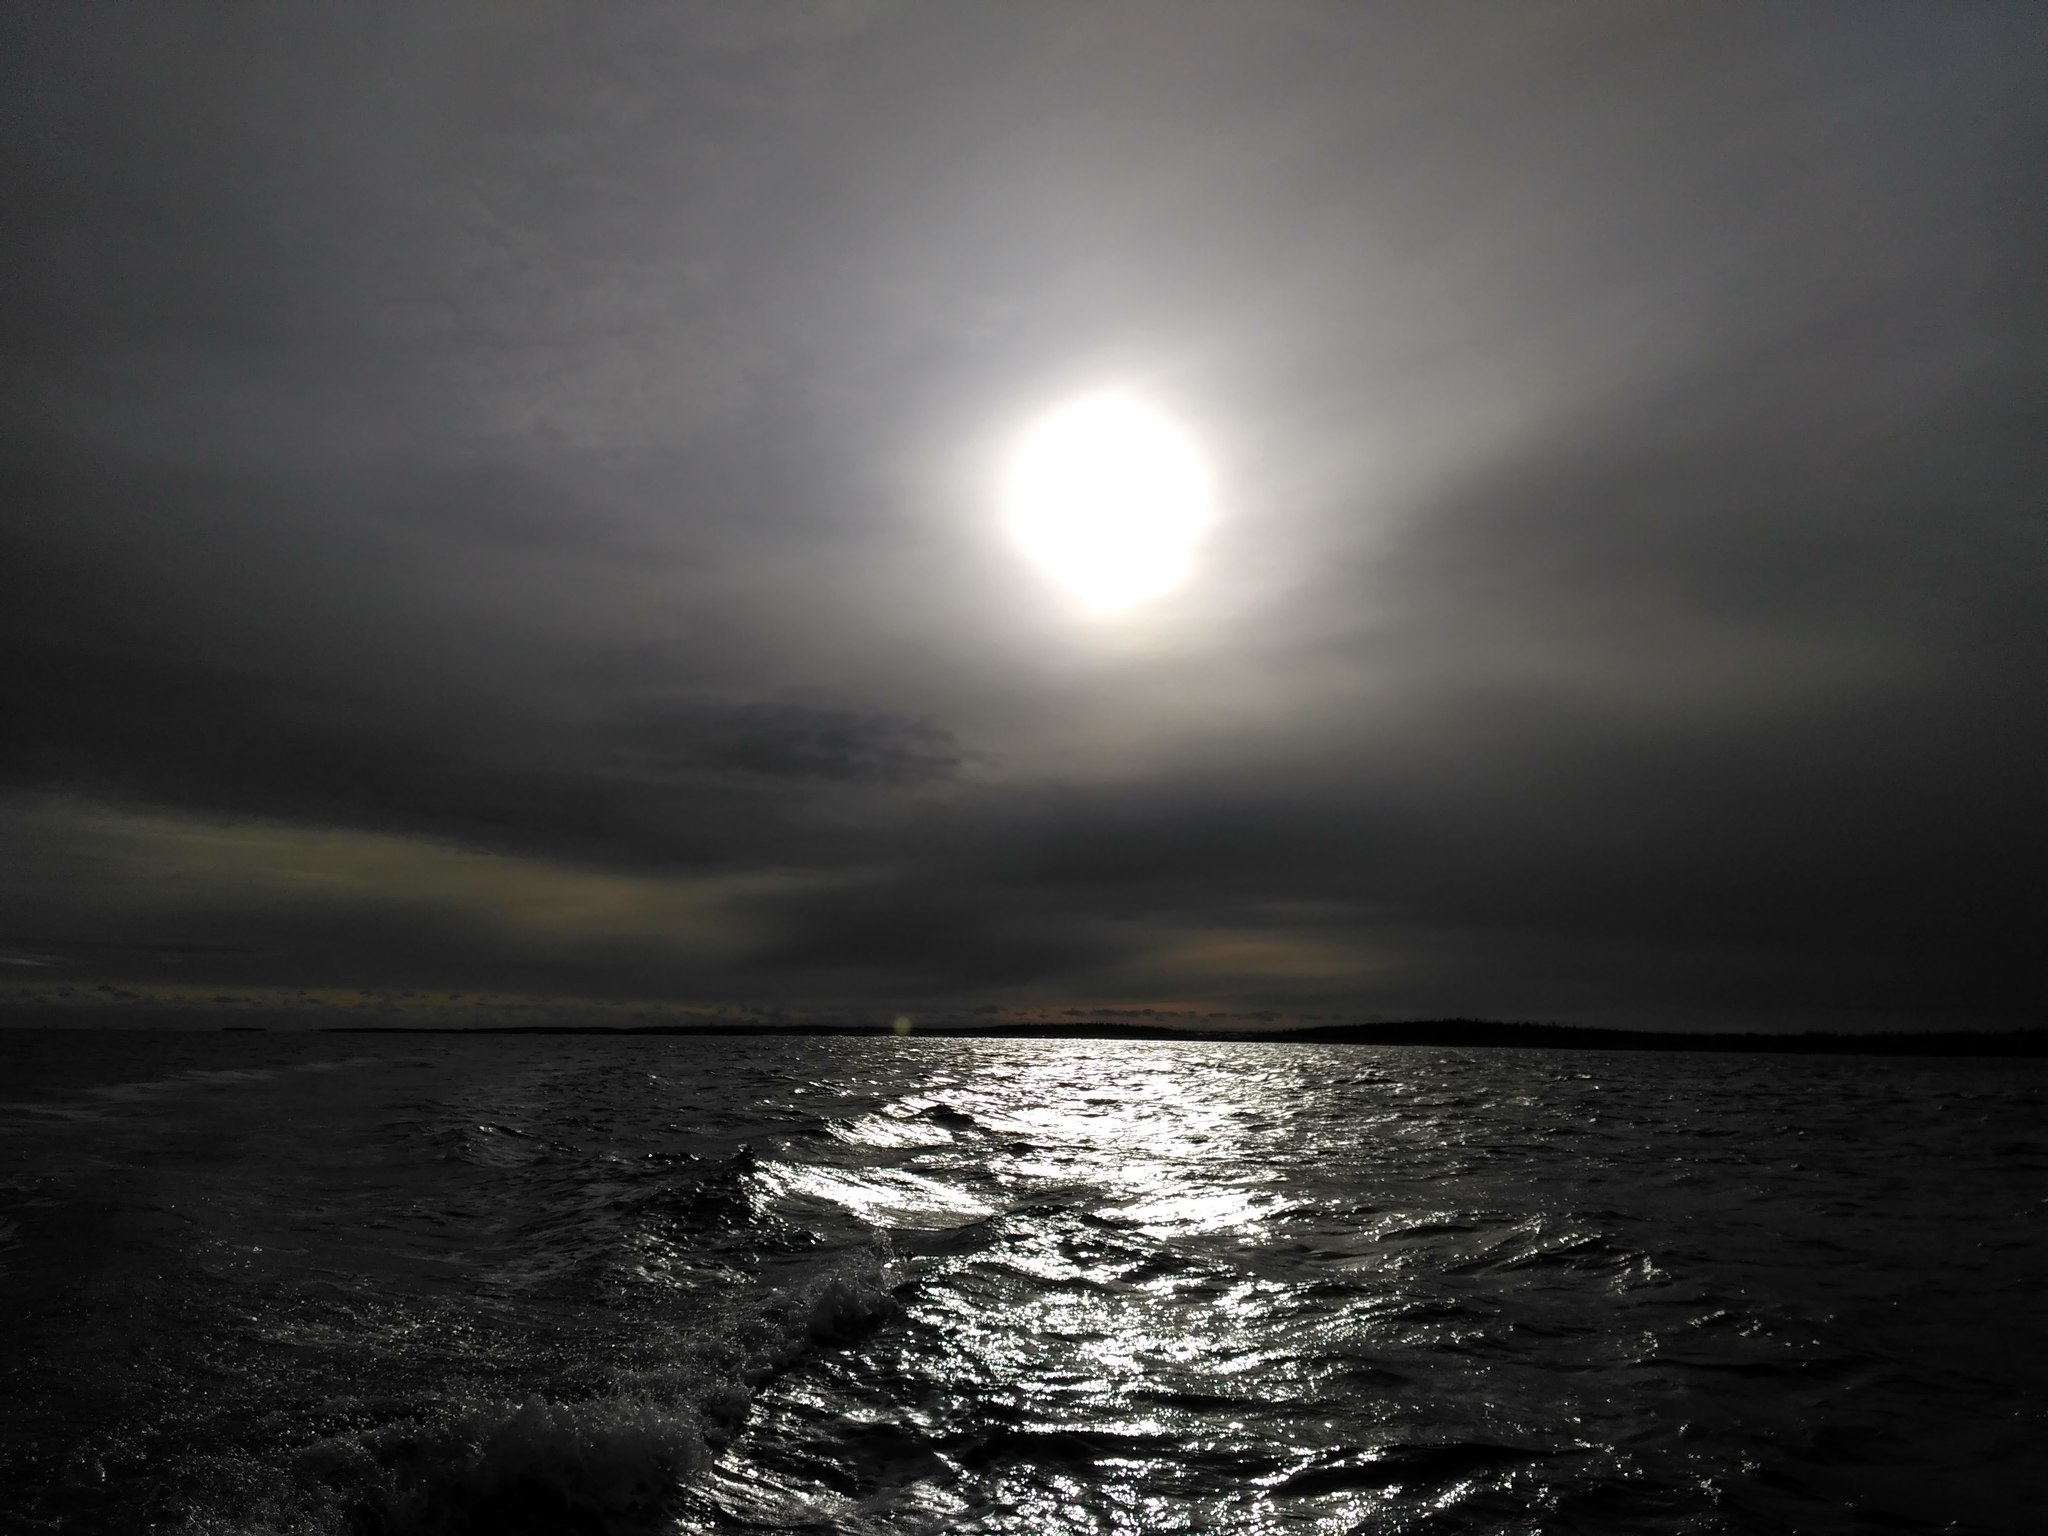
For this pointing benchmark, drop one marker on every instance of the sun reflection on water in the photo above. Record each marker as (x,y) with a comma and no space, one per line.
(1179,1286)
(1095,1276)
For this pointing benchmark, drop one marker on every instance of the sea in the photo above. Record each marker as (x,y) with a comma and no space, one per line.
(450,1285)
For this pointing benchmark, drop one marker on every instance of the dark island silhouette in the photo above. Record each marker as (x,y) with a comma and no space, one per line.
(1461,1033)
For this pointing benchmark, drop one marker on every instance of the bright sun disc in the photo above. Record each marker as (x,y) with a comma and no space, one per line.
(1109,499)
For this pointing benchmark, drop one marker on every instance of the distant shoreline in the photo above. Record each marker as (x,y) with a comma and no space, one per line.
(2029,1042)
(1460,1033)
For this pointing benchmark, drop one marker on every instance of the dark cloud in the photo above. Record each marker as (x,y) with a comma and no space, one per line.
(931,932)
(510,434)
(795,741)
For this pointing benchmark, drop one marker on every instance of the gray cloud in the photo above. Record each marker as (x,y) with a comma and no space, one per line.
(795,741)
(570,438)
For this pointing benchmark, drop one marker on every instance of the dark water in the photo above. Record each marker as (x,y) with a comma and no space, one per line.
(279,1284)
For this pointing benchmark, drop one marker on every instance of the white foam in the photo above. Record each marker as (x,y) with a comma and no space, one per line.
(609,1461)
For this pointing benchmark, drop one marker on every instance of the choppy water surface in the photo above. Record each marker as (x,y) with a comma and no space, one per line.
(434,1285)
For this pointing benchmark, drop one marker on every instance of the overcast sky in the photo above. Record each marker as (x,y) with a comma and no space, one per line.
(509,495)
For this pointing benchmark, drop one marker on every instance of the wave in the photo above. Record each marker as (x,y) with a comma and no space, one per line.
(607,1464)
(1386,1466)
(877,1198)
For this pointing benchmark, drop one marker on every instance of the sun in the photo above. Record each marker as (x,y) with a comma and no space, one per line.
(1110,499)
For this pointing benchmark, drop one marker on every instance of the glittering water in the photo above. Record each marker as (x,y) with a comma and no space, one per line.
(338,1284)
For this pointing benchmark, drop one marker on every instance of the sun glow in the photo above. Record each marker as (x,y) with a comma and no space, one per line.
(1110,500)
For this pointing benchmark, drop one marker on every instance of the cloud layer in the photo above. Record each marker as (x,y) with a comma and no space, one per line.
(501,496)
